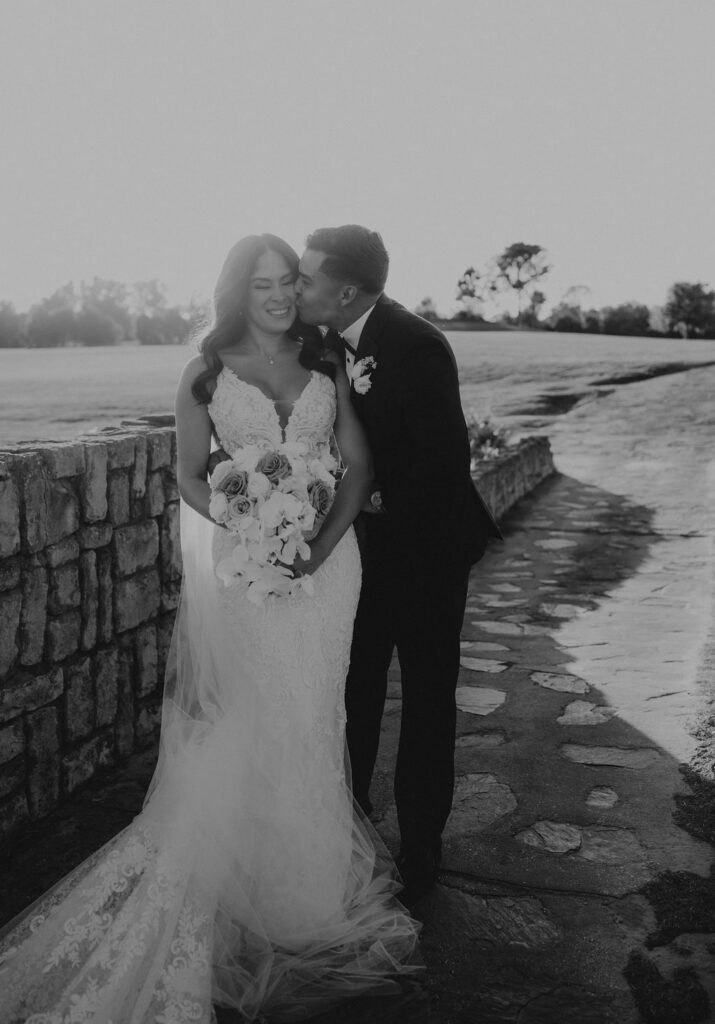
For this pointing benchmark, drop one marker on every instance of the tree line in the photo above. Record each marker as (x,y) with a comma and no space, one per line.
(516,276)
(108,312)
(104,312)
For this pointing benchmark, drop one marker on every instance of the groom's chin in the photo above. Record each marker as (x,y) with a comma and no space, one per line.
(306,320)
(303,317)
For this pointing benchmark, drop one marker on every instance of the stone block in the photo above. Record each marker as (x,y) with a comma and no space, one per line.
(170,544)
(94,490)
(171,488)
(159,448)
(139,471)
(78,766)
(164,632)
(146,660)
(10,574)
(136,547)
(12,776)
(137,508)
(170,594)
(13,813)
(106,669)
(10,607)
(97,536)
(33,477)
(78,703)
(26,693)
(64,551)
(124,722)
(106,749)
(34,615)
(136,600)
(64,589)
(64,458)
(146,727)
(12,740)
(62,510)
(63,634)
(44,760)
(51,506)
(118,498)
(90,598)
(9,517)
(155,492)
(120,451)
(105,611)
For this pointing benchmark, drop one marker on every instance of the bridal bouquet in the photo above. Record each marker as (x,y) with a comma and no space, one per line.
(273,502)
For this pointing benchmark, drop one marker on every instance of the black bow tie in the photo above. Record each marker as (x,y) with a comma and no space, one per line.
(336,341)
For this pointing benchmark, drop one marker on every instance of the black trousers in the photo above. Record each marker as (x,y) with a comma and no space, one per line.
(422,617)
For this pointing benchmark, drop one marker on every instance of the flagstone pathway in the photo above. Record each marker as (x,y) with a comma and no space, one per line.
(583,676)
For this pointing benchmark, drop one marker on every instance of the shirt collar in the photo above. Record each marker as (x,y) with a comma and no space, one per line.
(353,332)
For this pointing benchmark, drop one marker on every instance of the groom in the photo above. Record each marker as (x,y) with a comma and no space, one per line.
(424,526)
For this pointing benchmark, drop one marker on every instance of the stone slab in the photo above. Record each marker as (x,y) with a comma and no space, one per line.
(479,700)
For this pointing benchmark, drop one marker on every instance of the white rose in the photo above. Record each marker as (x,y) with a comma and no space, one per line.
(258,485)
(246,458)
(363,384)
(218,507)
(221,472)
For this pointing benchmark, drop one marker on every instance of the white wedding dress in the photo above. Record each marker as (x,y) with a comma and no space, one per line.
(248,880)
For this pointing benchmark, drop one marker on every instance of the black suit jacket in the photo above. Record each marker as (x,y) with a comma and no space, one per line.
(413,419)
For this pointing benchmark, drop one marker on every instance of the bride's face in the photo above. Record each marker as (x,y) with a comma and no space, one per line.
(270,302)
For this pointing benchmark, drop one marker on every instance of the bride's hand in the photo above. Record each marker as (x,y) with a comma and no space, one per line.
(307,566)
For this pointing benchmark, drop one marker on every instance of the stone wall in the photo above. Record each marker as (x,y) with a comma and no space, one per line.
(504,480)
(90,573)
(89,581)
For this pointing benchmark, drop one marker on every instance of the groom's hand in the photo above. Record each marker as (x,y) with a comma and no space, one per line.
(214,459)
(374,504)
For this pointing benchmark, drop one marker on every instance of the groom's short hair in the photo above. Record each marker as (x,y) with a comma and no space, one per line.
(353,254)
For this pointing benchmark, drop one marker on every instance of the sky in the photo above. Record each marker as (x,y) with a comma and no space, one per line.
(141,139)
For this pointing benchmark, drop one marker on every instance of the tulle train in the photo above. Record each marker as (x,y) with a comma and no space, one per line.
(248,880)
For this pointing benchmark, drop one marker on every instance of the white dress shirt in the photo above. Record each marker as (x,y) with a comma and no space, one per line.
(352,335)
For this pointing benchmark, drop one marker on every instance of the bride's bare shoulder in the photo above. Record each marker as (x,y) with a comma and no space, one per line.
(195,366)
(191,373)
(193,369)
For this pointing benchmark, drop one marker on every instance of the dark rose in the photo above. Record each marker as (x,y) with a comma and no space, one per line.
(236,484)
(229,480)
(320,497)
(275,466)
(239,507)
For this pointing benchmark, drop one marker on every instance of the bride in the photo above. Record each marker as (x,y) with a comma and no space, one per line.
(249,880)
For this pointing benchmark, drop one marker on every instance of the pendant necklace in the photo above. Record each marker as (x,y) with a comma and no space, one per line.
(267,356)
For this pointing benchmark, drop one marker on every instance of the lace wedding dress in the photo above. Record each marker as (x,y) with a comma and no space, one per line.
(247,880)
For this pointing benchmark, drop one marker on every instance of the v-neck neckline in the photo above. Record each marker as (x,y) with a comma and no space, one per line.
(273,401)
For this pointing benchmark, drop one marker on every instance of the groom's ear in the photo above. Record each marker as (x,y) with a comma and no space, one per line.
(347,294)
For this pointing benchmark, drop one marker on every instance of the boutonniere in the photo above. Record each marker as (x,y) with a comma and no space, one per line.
(361,374)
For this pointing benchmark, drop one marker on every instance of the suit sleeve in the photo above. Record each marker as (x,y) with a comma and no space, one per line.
(430,485)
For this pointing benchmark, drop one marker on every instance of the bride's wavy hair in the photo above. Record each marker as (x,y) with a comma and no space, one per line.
(229,320)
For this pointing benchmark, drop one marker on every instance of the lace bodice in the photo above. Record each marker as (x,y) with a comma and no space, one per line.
(243,415)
